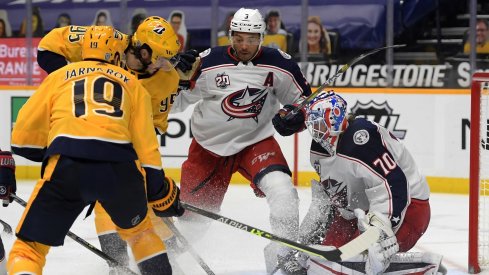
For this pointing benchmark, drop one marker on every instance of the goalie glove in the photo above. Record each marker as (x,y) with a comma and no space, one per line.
(287,127)
(8,185)
(318,217)
(169,205)
(379,253)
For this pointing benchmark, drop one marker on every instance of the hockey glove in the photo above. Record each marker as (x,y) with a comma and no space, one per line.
(287,127)
(169,205)
(184,85)
(186,60)
(379,253)
(8,184)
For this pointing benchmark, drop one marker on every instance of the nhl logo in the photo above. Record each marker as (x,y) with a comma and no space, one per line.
(380,113)
(136,220)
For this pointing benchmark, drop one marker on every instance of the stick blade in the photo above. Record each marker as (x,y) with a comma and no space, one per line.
(360,243)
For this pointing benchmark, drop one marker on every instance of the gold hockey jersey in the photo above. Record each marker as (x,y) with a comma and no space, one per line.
(90,110)
(162,86)
(65,41)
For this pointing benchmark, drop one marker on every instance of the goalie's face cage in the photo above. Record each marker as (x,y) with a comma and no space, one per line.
(326,119)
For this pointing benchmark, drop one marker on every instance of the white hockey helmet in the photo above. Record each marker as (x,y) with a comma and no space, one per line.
(326,119)
(247,20)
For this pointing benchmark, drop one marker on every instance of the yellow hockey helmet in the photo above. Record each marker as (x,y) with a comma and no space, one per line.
(104,43)
(158,35)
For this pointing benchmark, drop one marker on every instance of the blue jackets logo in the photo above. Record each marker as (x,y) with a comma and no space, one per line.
(246,103)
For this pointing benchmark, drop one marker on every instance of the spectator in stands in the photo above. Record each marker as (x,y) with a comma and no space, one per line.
(223,32)
(63,20)
(7,30)
(102,18)
(138,17)
(3,32)
(37,24)
(177,21)
(275,35)
(482,34)
(318,42)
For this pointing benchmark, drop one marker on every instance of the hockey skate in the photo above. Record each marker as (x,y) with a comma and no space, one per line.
(174,250)
(173,246)
(290,266)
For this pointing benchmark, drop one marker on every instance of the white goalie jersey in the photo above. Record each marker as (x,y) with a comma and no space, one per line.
(236,101)
(371,170)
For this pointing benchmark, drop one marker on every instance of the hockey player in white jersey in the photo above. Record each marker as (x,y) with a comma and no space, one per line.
(362,168)
(238,89)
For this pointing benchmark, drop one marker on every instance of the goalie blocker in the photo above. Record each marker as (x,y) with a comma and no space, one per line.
(401,264)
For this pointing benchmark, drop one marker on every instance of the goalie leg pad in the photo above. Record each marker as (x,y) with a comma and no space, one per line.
(401,264)
(315,223)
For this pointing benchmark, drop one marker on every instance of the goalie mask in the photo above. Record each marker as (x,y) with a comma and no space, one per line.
(326,119)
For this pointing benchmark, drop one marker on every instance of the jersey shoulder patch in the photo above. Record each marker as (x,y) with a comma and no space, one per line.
(360,133)
(284,54)
(361,137)
(205,53)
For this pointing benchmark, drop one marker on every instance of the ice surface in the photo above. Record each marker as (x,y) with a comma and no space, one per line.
(230,251)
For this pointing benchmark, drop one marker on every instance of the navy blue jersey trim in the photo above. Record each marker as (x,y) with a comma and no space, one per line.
(91,149)
(374,154)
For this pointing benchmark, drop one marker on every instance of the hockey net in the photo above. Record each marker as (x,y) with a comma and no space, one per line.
(479,174)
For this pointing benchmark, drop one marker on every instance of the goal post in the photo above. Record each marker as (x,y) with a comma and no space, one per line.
(479,174)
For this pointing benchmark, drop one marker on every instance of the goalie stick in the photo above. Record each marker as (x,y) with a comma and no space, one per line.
(351,249)
(330,80)
(84,243)
(187,246)
(6,228)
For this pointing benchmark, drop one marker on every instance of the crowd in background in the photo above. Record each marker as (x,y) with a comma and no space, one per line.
(320,45)
(323,45)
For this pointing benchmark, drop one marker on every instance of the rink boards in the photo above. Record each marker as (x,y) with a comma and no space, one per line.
(434,125)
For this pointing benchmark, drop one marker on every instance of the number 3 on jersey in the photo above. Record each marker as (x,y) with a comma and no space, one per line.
(104,92)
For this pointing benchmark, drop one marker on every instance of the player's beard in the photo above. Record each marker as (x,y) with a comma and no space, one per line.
(245,55)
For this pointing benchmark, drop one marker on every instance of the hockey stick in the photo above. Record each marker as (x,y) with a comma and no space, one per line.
(187,246)
(6,228)
(84,243)
(351,249)
(330,80)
